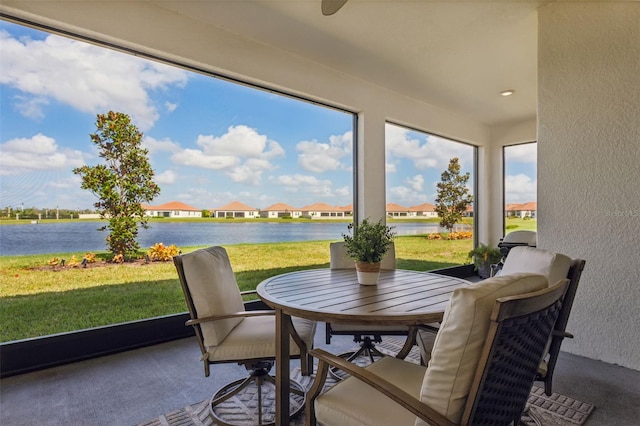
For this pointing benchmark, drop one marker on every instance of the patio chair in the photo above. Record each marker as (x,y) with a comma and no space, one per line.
(511,240)
(554,266)
(366,335)
(484,362)
(548,364)
(227,333)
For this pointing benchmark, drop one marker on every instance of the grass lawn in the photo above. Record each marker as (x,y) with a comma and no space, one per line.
(36,300)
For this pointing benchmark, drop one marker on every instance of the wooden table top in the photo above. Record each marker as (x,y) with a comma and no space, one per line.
(401,297)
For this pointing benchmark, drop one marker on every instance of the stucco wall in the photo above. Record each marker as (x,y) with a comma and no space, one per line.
(589,167)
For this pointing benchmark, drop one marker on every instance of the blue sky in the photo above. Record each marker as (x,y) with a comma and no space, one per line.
(210,141)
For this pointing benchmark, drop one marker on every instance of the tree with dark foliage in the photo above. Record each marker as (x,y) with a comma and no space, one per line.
(453,195)
(122,183)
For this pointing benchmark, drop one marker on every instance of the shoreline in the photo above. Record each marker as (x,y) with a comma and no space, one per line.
(9,222)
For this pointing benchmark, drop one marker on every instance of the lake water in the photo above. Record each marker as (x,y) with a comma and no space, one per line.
(84,236)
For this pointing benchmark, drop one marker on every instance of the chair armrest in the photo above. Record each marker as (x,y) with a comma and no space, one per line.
(391,391)
(244,293)
(562,334)
(242,314)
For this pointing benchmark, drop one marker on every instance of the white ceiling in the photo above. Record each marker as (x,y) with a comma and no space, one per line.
(457,55)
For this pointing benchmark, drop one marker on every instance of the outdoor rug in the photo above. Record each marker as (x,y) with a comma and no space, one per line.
(554,410)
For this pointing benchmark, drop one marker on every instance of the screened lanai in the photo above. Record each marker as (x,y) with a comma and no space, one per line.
(439,67)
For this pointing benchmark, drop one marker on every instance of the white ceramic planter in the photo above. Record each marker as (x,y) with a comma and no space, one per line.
(368,278)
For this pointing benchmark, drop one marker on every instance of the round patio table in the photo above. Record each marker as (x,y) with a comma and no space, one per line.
(401,297)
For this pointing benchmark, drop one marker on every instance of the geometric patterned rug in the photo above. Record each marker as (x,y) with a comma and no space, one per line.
(543,410)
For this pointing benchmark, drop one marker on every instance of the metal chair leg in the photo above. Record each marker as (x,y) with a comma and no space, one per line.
(230,396)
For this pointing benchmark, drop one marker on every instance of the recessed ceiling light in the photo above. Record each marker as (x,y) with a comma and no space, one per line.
(507,92)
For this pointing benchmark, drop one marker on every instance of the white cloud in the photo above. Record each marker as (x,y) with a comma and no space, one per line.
(307,184)
(390,167)
(241,141)
(251,171)
(525,153)
(342,192)
(196,158)
(166,177)
(72,182)
(416,182)
(401,192)
(407,196)
(319,157)
(154,145)
(170,106)
(39,152)
(242,153)
(434,153)
(520,188)
(31,106)
(89,78)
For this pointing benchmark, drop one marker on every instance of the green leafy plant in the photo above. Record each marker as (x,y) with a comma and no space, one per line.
(484,256)
(122,183)
(453,195)
(368,241)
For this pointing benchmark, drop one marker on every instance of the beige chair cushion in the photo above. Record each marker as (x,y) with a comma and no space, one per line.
(341,260)
(339,257)
(214,290)
(389,259)
(554,266)
(351,402)
(526,237)
(458,344)
(254,338)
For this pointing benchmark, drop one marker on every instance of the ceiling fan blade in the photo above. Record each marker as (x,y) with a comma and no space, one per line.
(329,7)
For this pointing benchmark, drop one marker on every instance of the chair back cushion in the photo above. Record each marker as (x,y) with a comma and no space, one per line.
(459,342)
(340,258)
(389,259)
(524,237)
(554,266)
(214,291)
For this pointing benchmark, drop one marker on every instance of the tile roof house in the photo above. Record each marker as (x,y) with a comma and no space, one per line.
(235,209)
(348,210)
(324,211)
(280,210)
(468,212)
(173,209)
(396,210)
(424,210)
(522,210)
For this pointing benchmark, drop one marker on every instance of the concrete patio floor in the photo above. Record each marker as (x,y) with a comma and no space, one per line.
(134,386)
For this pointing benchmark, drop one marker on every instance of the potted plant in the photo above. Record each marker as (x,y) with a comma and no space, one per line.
(367,244)
(483,257)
